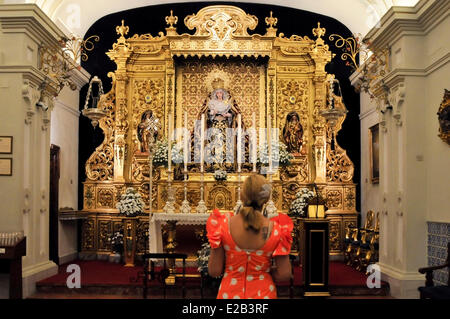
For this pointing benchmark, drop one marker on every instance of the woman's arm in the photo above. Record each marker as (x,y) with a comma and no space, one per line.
(216,261)
(282,270)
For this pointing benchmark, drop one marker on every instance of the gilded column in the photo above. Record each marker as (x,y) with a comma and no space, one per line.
(119,54)
(321,56)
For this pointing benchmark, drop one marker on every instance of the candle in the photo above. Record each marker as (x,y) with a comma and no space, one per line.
(269,141)
(254,141)
(169,155)
(239,139)
(186,137)
(202,145)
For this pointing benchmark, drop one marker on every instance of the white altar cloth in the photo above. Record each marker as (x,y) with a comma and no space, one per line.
(158,219)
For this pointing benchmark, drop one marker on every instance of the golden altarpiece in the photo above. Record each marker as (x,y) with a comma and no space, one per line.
(173,73)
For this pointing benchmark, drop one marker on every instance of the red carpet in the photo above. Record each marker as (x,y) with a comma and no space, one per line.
(110,274)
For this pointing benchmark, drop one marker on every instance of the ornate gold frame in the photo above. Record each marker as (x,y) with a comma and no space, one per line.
(444,108)
(372,156)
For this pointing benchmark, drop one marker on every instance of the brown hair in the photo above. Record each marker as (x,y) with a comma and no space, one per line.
(254,195)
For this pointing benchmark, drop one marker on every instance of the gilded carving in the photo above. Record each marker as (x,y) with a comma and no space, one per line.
(88,233)
(339,166)
(143,91)
(289,192)
(335,237)
(293,95)
(89,196)
(334,198)
(144,191)
(349,198)
(105,197)
(104,232)
(142,237)
(220,197)
(100,165)
(221,22)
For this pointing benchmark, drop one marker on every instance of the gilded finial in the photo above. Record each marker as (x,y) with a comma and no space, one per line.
(171,20)
(122,29)
(271,21)
(319,32)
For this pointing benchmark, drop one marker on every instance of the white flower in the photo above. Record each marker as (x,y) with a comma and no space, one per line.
(130,203)
(300,202)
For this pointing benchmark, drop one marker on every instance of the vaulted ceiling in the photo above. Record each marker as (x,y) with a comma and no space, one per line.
(76,16)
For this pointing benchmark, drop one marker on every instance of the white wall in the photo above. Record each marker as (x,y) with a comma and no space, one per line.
(64,133)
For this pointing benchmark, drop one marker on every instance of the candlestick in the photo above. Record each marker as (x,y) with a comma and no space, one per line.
(185,208)
(202,145)
(270,208)
(170,203)
(169,155)
(269,141)
(185,151)
(201,207)
(239,155)
(254,143)
(239,138)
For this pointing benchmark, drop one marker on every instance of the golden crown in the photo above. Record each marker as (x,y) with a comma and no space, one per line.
(217,84)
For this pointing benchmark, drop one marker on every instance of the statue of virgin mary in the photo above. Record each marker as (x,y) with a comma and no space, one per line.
(221,113)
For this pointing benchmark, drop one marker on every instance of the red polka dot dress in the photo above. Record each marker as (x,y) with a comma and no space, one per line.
(247,272)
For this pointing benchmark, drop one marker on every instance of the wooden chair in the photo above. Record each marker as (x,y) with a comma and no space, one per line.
(430,291)
(361,239)
(149,270)
(351,234)
(369,248)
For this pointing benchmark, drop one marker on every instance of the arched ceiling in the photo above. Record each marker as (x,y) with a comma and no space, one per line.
(76,16)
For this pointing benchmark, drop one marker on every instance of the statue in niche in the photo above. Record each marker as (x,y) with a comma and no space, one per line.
(293,133)
(147,130)
(221,112)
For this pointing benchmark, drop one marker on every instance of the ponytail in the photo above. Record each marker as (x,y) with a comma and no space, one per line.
(255,193)
(251,218)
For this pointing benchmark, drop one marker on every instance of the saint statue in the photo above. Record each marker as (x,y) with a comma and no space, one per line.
(221,112)
(147,130)
(293,133)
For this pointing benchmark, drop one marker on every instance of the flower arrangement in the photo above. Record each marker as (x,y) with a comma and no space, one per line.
(116,241)
(130,203)
(301,200)
(220,175)
(280,154)
(162,150)
(203,258)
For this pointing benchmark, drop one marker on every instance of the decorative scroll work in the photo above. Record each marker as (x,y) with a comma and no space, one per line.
(221,24)
(100,165)
(339,166)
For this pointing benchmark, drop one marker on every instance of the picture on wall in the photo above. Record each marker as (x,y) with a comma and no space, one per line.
(6,143)
(374,153)
(5,166)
